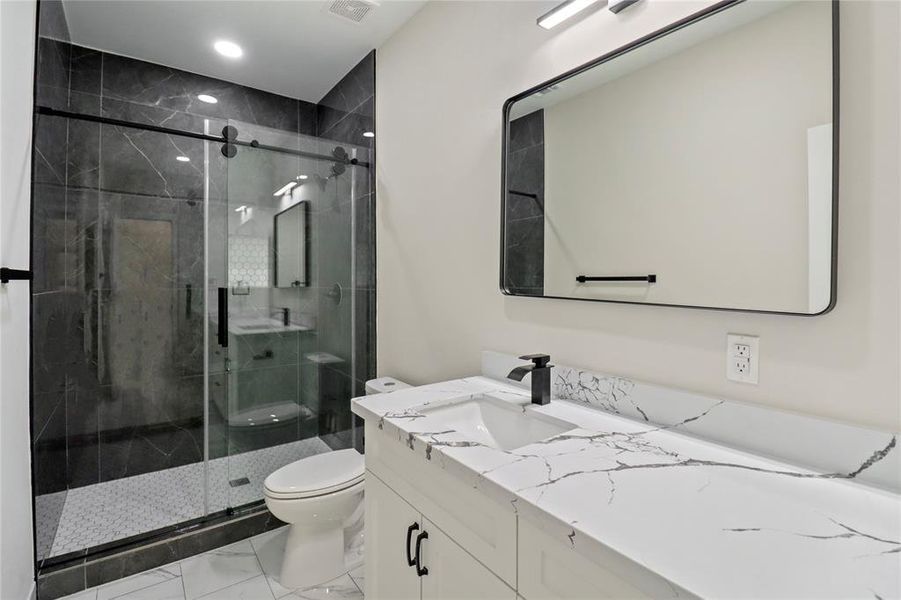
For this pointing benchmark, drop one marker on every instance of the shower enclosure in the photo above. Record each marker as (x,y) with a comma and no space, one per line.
(202,299)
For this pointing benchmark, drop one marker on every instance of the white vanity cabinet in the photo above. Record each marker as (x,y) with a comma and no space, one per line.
(549,569)
(454,574)
(388,573)
(398,535)
(473,546)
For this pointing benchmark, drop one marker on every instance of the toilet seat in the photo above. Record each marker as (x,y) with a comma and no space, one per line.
(318,475)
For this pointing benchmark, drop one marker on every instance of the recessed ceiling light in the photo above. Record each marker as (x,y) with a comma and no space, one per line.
(368,134)
(182,159)
(303,177)
(207,98)
(285,189)
(562,12)
(228,49)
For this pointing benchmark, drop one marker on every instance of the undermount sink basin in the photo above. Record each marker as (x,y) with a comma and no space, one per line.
(242,325)
(261,327)
(495,423)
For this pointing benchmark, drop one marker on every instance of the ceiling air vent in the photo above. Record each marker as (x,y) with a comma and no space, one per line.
(352,10)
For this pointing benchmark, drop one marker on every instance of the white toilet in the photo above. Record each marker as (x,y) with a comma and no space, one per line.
(317,496)
(320,497)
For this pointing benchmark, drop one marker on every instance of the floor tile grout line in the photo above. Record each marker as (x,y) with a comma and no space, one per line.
(354,580)
(216,551)
(216,591)
(141,589)
(136,575)
(260,562)
(184,590)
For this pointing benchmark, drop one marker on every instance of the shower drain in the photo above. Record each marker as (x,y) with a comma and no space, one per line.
(239,482)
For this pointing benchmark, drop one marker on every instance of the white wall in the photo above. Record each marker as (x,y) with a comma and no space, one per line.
(441,82)
(677,167)
(17,23)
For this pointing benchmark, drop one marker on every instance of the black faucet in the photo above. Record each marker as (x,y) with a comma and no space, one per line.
(541,376)
(286,315)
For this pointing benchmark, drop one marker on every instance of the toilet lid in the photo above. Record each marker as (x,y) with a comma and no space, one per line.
(316,475)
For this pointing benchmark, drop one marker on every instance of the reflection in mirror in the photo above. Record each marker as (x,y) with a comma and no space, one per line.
(291,246)
(649,176)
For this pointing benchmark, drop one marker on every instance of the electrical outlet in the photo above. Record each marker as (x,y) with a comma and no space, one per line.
(742,358)
(741,366)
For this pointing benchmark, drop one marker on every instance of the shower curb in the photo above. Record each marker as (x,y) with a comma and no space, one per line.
(104,565)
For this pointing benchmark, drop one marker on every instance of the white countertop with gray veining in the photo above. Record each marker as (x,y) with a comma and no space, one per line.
(714,521)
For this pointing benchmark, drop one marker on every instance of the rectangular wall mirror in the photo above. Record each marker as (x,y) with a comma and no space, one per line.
(696,167)
(291,234)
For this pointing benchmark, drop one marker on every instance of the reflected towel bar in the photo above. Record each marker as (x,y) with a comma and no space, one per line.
(649,278)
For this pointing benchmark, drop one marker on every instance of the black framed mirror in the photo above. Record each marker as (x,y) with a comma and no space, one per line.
(291,234)
(695,167)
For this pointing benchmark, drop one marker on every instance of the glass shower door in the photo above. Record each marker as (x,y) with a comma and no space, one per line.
(286,285)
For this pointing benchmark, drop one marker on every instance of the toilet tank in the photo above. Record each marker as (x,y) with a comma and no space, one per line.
(384,385)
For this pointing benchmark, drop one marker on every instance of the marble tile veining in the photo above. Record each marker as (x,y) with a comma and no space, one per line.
(150,579)
(818,444)
(220,568)
(246,570)
(704,519)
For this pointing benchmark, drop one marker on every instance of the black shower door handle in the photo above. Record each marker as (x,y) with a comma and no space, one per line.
(222,332)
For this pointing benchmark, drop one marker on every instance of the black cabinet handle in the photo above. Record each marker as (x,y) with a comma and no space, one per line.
(410,530)
(222,332)
(420,570)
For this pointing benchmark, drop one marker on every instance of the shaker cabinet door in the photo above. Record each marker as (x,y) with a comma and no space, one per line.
(453,574)
(388,520)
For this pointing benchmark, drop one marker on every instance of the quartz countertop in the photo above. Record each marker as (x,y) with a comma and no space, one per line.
(714,521)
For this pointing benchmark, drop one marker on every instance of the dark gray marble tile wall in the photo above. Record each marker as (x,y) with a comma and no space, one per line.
(344,114)
(524,215)
(52,20)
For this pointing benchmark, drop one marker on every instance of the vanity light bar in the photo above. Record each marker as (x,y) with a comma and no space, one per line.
(285,189)
(562,12)
(617,5)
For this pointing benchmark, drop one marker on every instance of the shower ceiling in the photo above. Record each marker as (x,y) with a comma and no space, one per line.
(297,49)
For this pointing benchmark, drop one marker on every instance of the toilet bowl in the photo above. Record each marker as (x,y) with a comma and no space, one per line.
(319,497)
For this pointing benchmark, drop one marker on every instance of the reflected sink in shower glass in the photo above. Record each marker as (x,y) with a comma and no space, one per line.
(496,423)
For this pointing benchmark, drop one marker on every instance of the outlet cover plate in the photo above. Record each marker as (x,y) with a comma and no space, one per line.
(742,358)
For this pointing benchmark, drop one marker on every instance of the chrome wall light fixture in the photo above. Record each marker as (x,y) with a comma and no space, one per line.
(570,8)
(562,12)
(618,5)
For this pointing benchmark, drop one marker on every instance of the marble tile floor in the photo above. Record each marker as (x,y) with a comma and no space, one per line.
(96,514)
(246,570)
